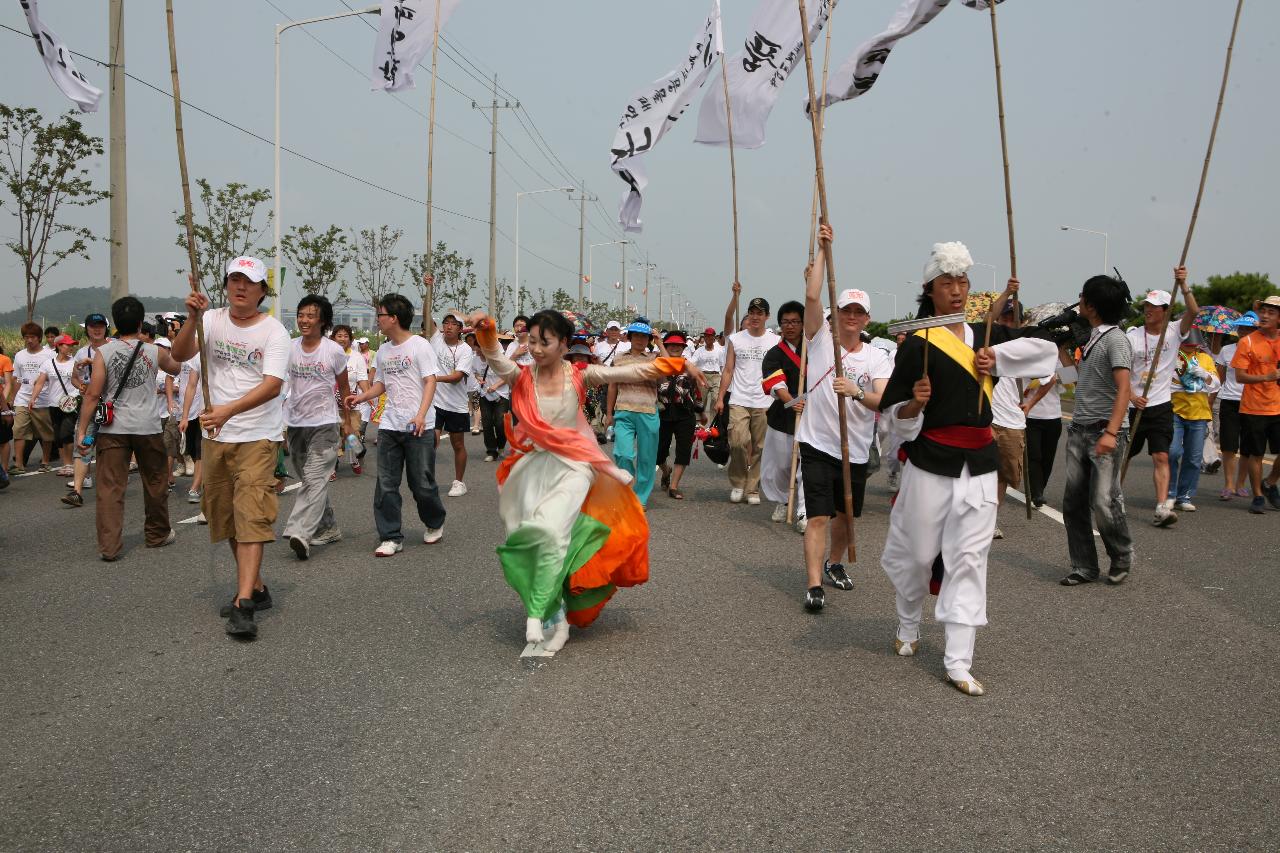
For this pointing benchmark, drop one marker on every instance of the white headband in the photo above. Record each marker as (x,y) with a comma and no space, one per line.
(947,259)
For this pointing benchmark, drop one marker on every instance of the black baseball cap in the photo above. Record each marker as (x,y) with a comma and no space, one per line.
(90,319)
(759,302)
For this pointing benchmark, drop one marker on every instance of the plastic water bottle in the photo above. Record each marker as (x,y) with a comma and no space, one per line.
(88,440)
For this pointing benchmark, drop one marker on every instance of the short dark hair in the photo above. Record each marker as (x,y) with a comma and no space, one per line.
(343,327)
(399,307)
(790,307)
(30,328)
(127,313)
(520,317)
(551,322)
(1108,296)
(323,304)
(52,330)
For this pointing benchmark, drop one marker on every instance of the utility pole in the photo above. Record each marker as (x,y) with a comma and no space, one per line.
(119,195)
(582,200)
(493,197)
(647,267)
(624,276)
(429,290)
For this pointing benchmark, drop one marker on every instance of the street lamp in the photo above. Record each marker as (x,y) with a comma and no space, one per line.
(994,286)
(280,28)
(1106,243)
(892,296)
(590,264)
(519,289)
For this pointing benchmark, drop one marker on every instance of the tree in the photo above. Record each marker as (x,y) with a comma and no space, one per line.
(318,258)
(373,253)
(562,301)
(41,169)
(226,232)
(1238,290)
(455,279)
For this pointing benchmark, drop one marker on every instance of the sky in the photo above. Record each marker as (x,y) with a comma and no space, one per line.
(1108,109)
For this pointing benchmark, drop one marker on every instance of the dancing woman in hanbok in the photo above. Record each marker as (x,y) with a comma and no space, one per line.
(575,530)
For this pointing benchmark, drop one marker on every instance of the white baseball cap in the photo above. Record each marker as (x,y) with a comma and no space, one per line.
(612,324)
(164,342)
(850,297)
(1157,297)
(252,268)
(362,340)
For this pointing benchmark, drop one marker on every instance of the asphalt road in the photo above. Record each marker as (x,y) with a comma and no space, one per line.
(386,705)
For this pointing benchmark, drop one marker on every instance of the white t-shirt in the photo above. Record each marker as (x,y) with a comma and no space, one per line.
(523,360)
(1006,408)
(1050,406)
(485,377)
(357,371)
(26,367)
(452,396)
(162,400)
(239,358)
(85,355)
(52,391)
(607,352)
(1144,351)
(748,353)
(707,360)
(1232,388)
(402,369)
(309,395)
(819,426)
(190,373)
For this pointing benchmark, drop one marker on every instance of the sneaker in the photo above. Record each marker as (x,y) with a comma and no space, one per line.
(735,496)
(66,471)
(458,489)
(779,514)
(44,468)
(997,533)
(432,535)
(261,602)
(837,575)
(73,499)
(388,549)
(15,468)
(178,470)
(1164,516)
(333,476)
(168,540)
(1117,575)
(240,621)
(327,536)
(193,497)
(489,457)
(133,466)
(802,524)
(300,548)
(815,599)
(189,467)
(1273,495)
(4,479)
(1258,506)
(753,499)
(1076,579)
(475,430)
(88,482)
(1184,506)
(200,519)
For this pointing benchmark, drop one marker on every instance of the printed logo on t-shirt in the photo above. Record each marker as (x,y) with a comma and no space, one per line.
(309,370)
(396,364)
(142,369)
(236,353)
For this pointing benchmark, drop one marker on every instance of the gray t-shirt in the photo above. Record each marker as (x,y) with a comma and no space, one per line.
(1096,386)
(135,408)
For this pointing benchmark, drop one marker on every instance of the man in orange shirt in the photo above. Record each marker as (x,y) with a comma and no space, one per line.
(1255,364)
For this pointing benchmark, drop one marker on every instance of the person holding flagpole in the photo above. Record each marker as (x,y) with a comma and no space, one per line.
(947,501)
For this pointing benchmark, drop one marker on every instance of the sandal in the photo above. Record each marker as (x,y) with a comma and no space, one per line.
(676,493)
(1226,494)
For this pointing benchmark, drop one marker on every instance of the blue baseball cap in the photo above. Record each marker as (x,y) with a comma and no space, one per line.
(1247,319)
(640,326)
(95,318)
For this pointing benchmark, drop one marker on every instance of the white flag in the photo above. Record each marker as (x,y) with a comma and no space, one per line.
(58,61)
(654,109)
(859,74)
(405,35)
(758,72)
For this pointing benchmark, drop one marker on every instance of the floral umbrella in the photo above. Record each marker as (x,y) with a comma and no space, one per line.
(1217,318)
(582,324)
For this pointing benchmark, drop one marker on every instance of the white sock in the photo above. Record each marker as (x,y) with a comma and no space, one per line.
(558,638)
(958,657)
(533,630)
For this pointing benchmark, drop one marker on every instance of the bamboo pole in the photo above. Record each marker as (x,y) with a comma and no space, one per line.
(1195,213)
(188,219)
(828,256)
(813,240)
(428,308)
(733,183)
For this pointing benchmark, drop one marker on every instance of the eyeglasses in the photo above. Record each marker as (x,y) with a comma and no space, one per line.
(384,315)
(792,322)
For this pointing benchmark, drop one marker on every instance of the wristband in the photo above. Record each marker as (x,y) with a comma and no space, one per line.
(1110,433)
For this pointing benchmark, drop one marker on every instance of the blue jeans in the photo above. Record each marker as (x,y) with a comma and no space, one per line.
(416,456)
(1092,498)
(1185,457)
(635,449)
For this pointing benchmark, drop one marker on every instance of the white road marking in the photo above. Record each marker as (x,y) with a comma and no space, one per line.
(1046,509)
(537,650)
(193,519)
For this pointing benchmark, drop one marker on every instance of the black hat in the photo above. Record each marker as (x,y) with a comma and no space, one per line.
(96,318)
(759,302)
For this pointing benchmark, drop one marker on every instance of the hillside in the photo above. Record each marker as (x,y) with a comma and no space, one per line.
(76,302)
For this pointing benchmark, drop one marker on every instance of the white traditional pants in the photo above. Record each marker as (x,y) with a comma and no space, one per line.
(775,470)
(954,517)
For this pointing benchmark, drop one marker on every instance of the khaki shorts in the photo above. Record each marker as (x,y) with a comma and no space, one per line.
(31,423)
(171,436)
(240,490)
(1010,443)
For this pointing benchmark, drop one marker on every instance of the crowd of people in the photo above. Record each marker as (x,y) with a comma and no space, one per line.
(949,409)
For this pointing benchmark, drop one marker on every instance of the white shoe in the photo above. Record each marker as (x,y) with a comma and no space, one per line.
(802,524)
(558,637)
(458,489)
(753,499)
(997,534)
(1165,516)
(433,535)
(475,431)
(327,537)
(133,466)
(779,514)
(168,540)
(88,482)
(388,549)
(904,649)
(735,496)
(966,683)
(193,497)
(489,457)
(188,467)
(533,630)
(200,519)
(1185,506)
(179,470)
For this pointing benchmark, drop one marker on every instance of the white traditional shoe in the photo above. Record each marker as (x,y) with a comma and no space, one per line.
(735,496)
(558,638)
(967,685)
(753,499)
(903,649)
(779,514)
(533,630)
(458,489)
(388,549)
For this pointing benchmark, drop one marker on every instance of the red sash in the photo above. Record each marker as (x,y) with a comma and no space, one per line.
(965,437)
